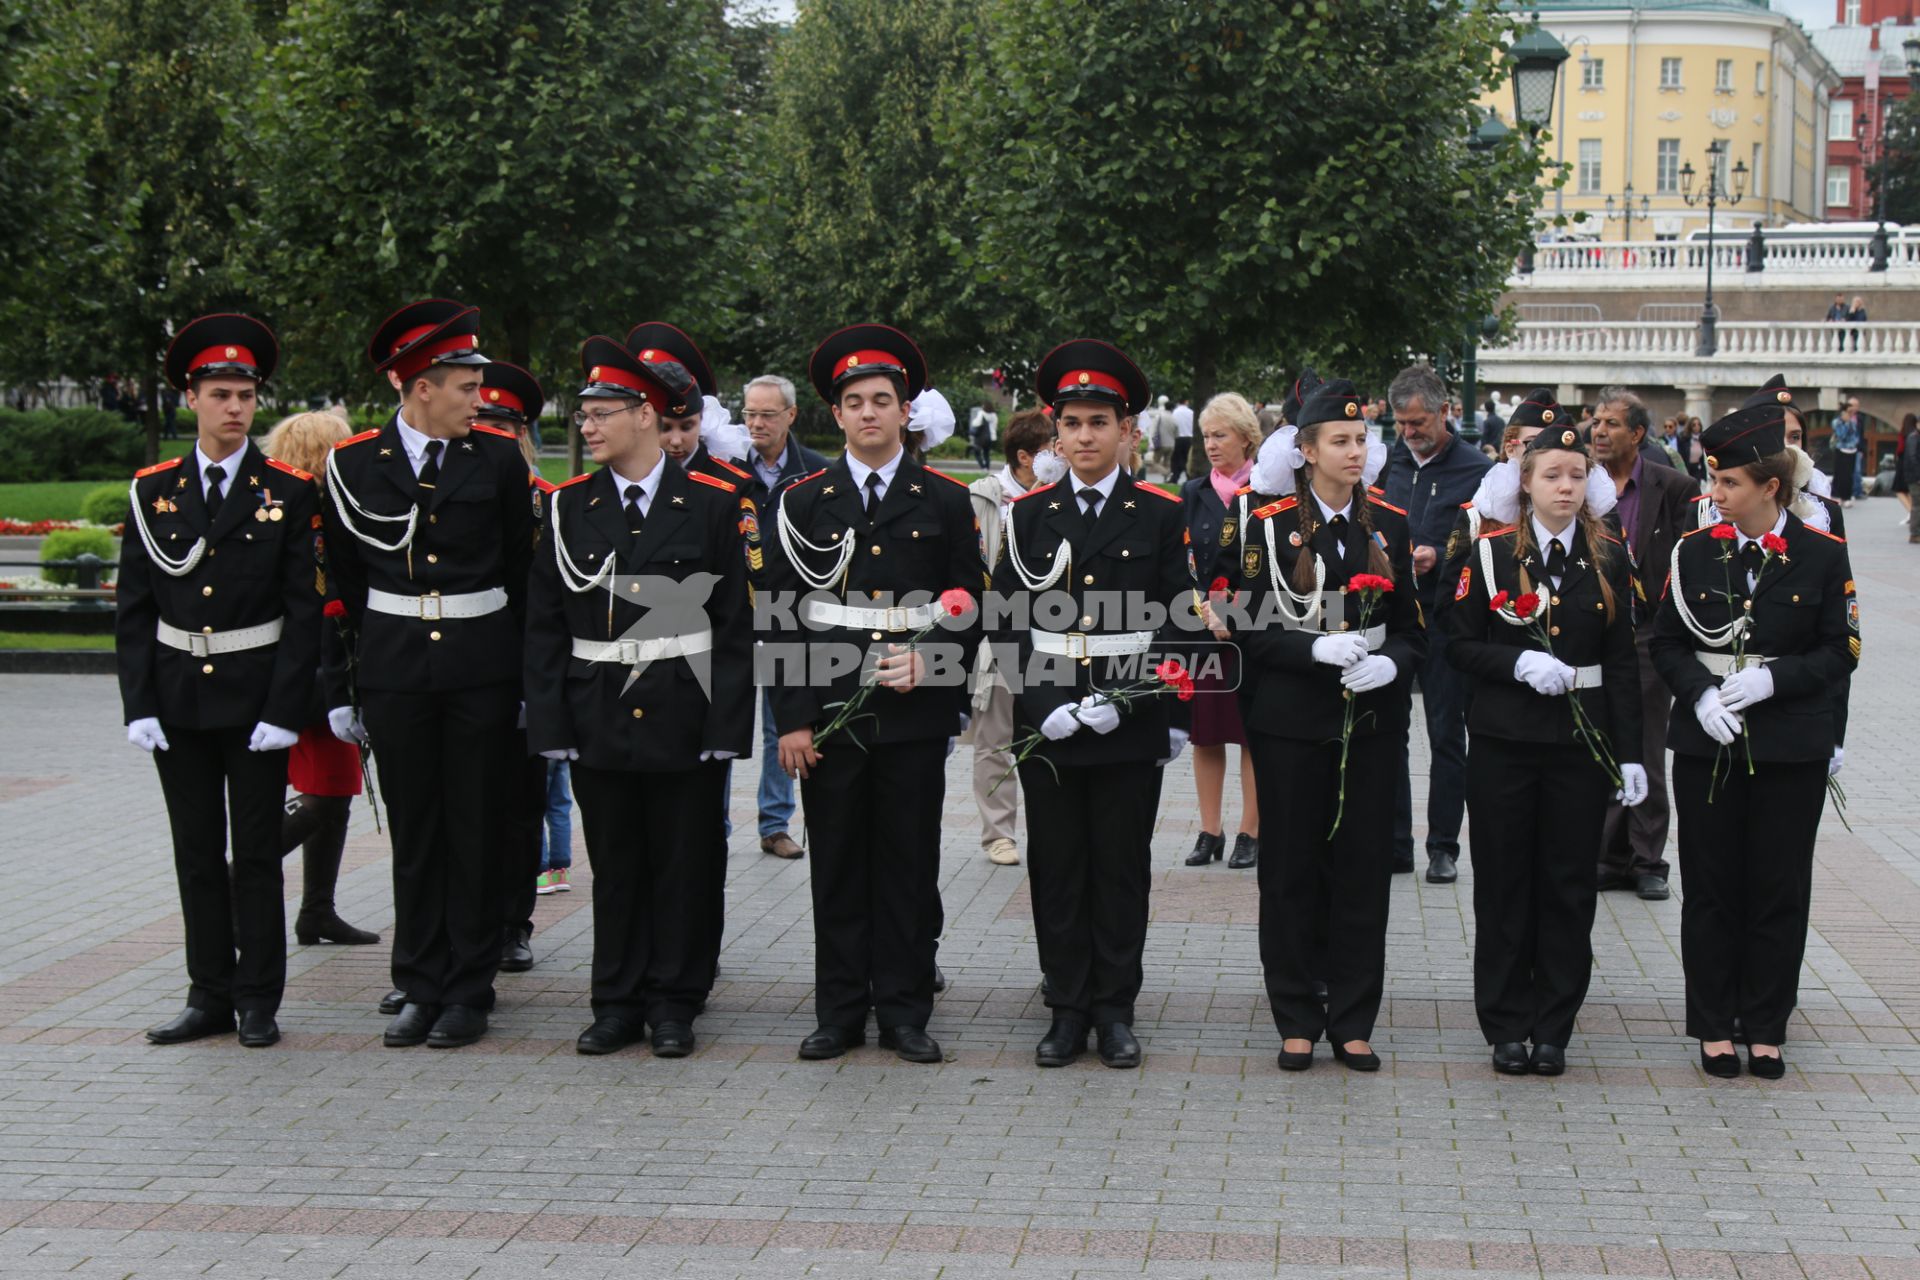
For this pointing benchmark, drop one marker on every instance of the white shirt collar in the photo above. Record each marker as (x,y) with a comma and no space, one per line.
(1105,484)
(886,471)
(1779,530)
(649,483)
(1327,513)
(414,442)
(1010,487)
(1542,535)
(228,465)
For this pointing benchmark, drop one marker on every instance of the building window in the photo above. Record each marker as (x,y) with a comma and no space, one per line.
(1589,166)
(1760,77)
(1723,76)
(1839,188)
(1840,120)
(1666,167)
(1593,73)
(1669,73)
(1852,18)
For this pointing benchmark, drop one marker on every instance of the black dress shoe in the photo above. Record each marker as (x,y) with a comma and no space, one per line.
(258,1029)
(1441,869)
(939,980)
(1368,1061)
(516,955)
(1402,863)
(1549,1060)
(1652,888)
(831,1042)
(393,1002)
(1118,1048)
(1246,852)
(192,1024)
(1296,1061)
(610,1033)
(672,1040)
(1764,1067)
(911,1044)
(1510,1058)
(1207,848)
(1064,1041)
(1723,1065)
(411,1026)
(457,1024)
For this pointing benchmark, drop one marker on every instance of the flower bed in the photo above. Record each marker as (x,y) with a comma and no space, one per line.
(36,528)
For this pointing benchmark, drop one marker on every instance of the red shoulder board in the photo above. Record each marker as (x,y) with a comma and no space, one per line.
(1703,497)
(566,484)
(1466,506)
(1689,533)
(944,476)
(1374,488)
(1029,493)
(1831,537)
(1610,538)
(730,467)
(364,435)
(289,468)
(1379,501)
(1667,581)
(540,482)
(1494,533)
(1275,508)
(159,467)
(1245,488)
(702,477)
(1157,492)
(502,432)
(803,479)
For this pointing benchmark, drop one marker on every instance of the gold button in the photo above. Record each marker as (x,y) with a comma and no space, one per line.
(1600,604)
(633,588)
(1703,595)
(434,559)
(206,631)
(1087,621)
(1796,599)
(916,533)
(1553,631)
(637,713)
(1088,579)
(433,519)
(1125,554)
(875,595)
(1343,591)
(1556,599)
(876,551)
(1346,626)
(207,670)
(878,636)
(1748,605)
(206,591)
(212,551)
(433,635)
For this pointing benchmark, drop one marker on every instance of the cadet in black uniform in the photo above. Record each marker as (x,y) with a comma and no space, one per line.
(639,671)
(431,531)
(1533,784)
(218,636)
(1757,625)
(689,380)
(1319,889)
(870,543)
(1112,548)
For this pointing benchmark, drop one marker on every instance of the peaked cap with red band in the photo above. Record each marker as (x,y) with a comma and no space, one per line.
(1774,394)
(1089,369)
(510,393)
(423,334)
(657,342)
(862,351)
(1336,400)
(615,373)
(1745,435)
(1539,409)
(222,346)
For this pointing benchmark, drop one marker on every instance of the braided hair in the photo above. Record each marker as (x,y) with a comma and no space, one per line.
(1309,515)
(1599,546)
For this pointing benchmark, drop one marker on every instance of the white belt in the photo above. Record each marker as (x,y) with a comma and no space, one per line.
(204,644)
(471,604)
(1725,664)
(1375,636)
(826,613)
(1078,644)
(1586,677)
(632,653)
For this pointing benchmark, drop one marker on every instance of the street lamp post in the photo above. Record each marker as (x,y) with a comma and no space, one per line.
(1535,59)
(1489,134)
(1714,195)
(1627,211)
(1877,251)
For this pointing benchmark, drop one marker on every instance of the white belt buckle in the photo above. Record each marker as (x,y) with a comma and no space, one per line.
(1077,645)
(200,646)
(629,651)
(889,616)
(430,608)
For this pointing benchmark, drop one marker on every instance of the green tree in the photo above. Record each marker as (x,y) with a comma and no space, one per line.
(1232,184)
(1902,172)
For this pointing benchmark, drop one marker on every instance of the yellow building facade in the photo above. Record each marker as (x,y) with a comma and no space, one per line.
(1649,86)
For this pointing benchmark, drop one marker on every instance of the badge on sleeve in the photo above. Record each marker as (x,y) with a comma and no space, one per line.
(1227,529)
(1466,582)
(1250,563)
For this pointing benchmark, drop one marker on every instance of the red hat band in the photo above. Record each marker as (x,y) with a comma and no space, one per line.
(501,398)
(885,361)
(1087,380)
(222,355)
(419,361)
(612,375)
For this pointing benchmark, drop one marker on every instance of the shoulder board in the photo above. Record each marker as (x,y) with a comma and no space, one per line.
(568,484)
(540,482)
(804,479)
(1157,492)
(1702,498)
(1466,506)
(1245,488)
(1830,537)
(1029,493)
(1374,488)
(944,476)
(731,468)
(364,435)
(1610,538)
(1495,533)
(1275,508)
(158,467)
(1379,501)
(1689,533)
(701,477)
(502,432)
(289,468)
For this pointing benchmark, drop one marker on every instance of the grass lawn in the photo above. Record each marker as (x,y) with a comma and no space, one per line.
(60,499)
(52,640)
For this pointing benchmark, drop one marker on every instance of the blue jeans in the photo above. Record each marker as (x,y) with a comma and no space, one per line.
(1443,691)
(556,833)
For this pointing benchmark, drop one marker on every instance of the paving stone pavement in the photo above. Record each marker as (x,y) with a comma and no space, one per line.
(331,1156)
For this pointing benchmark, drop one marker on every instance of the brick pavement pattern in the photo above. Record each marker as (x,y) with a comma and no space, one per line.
(331,1156)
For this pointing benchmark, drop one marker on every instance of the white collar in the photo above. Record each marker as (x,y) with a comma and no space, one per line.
(415,442)
(649,483)
(1779,530)
(1010,488)
(1543,535)
(885,470)
(1104,484)
(1327,513)
(228,465)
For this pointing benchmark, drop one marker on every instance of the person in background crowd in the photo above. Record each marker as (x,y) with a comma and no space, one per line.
(556,831)
(1837,313)
(1846,452)
(1182,439)
(1686,446)
(1856,314)
(982,424)
(170,413)
(1902,489)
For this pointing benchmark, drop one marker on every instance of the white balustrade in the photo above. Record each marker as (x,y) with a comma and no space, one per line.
(1782,341)
(1560,264)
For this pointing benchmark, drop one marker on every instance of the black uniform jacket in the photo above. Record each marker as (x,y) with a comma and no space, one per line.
(1582,632)
(474,532)
(1294,696)
(1134,556)
(1805,617)
(660,719)
(921,542)
(252,572)
(1214,527)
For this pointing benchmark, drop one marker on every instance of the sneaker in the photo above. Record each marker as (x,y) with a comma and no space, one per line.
(1003,852)
(543,884)
(560,884)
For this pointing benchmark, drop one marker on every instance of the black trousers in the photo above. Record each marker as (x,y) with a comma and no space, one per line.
(1634,841)
(448,769)
(236,921)
(1533,807)
(529,817)
(1089,866)
(1177,460)
(1746,866)
(1323,902)
(649,838)
(873,835)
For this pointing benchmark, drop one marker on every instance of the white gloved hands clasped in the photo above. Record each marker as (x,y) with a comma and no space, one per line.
(1742,689)
(1340,650)
(271,737)
(1833,764)
(1720,724)
(1098,714)
(145,733)
(1375,671)
(347,725)
(1633,785)
(1543,673)
(1061,723)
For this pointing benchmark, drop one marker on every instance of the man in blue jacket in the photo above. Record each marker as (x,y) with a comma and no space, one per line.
(1430,473)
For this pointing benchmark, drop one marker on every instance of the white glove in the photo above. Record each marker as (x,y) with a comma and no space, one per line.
(1375,671)
(1098,714)
(1633,785)
(1340,651)
(1061,723)
(1543,672)
(1744,688)
(347,725)
(145,734)
(1721,724)
(271,737)
(717,755)
(570,753)
(1176,743)
(1839,758)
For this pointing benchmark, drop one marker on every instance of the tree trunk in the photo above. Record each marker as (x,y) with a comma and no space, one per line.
(1206,374)
(150,414)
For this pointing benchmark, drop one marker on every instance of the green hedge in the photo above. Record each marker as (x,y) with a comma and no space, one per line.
(68,544)
(68,444)
(106,505)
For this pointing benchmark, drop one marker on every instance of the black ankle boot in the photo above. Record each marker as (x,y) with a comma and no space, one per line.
(1207,848)
(325,845)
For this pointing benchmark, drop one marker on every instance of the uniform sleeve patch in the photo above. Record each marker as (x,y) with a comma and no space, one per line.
(1466,582)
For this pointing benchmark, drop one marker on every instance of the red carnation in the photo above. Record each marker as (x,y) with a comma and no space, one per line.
(1219,587)
(1526,605)
(335,609)
(956,602)
(1497,601)
(1171,672)
(1183,689)
(1773,544)
(1369,582)
(1724,532)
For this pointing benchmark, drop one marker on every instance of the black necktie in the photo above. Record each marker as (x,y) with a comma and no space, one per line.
(1751,558)
(873,492)
(1090,504)
(636,518)
(1337,526)
(430,470)
(1556,560)
(215,474)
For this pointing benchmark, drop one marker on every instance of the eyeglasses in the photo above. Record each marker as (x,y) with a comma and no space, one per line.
(763,415)
(583,416)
